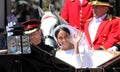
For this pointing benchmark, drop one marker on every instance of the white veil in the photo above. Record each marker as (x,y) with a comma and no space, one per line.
(72,30)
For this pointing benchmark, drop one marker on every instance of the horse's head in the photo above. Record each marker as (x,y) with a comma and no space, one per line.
(50,19)
(48,22)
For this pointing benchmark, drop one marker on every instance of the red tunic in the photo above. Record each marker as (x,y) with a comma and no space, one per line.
(107,34)
(76,13)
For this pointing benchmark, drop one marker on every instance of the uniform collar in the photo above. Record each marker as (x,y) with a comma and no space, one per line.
(81,1)
(100,18)
(85,2)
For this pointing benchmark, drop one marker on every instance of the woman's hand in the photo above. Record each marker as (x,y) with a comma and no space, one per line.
(77,37)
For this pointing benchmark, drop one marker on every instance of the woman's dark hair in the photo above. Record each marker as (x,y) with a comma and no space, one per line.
(62,28)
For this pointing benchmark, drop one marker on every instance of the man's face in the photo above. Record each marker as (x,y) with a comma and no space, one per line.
(35,33)
(99,10)
(35,37)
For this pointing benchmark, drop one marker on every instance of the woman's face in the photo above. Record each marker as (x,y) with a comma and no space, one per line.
(63,39)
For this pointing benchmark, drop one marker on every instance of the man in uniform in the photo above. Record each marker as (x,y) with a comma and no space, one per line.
(102,30)
(42,57)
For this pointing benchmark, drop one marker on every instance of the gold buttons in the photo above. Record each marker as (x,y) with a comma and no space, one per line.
(104,35)
(104,38)
(103,42)
(80,11)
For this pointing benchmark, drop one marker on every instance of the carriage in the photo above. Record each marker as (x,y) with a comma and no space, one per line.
(108,61)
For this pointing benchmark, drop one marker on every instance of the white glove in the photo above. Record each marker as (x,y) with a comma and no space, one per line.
(14,29)
(114,48)
(8,28)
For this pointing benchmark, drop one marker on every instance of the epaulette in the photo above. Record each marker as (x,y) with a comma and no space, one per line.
(109,17)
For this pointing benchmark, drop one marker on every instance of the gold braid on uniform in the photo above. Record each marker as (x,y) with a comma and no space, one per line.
(109,16)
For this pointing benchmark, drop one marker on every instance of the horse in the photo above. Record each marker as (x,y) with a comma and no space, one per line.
(50,19)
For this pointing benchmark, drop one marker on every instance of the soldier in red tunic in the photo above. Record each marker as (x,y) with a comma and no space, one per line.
(102,30)
(76,12)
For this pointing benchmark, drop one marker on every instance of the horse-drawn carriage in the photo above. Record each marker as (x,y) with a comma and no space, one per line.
(104,61)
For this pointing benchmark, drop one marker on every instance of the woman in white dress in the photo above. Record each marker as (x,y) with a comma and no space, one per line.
(68,51)
(75,49)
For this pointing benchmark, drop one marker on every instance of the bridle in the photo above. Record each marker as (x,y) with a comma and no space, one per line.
(52,39)
(48,17)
